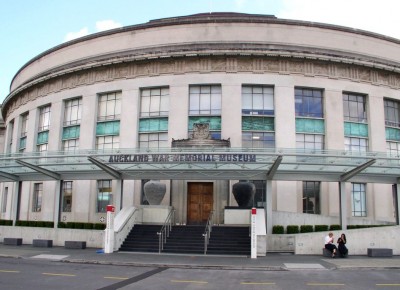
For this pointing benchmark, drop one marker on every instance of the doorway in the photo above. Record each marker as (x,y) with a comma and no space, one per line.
(200,202)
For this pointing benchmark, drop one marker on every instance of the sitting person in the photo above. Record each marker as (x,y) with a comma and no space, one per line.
(342,246)
(329,244)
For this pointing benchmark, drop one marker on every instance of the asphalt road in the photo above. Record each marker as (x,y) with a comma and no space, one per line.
(41,274)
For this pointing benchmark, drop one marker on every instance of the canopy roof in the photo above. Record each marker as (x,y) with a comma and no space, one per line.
(202,164)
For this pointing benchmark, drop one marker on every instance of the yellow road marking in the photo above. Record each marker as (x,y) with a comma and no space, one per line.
(189,281)
(325,284)
(8,271)
(387,284)
(257,283)
(57,274)
(116,278)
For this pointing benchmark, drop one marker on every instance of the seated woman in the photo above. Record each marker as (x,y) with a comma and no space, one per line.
(329,244)
(342,246)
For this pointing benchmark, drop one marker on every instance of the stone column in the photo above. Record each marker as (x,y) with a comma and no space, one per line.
(343,205)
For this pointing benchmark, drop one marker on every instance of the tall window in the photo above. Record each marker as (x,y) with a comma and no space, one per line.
(258,139)
(37,197)
(109,106)
(107,142)
(43,129)
(72,121)
(392,113)
(355,144)
(73,112)
(310,141)
(258,130)
(308,103)
(257,100)
(359,204)
(153,123)
(24,125)
(44,118)
(354,107)
(5,199)
(108,125)
(153,140)
(393,148)
(70,145)
(205,100)
(154,102)
(311,199)
(104,194)
(23,132)
(67,196)
(310,126)
(10,135)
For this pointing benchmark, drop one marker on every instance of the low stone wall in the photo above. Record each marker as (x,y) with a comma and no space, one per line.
(284,218)
(93,238)
(358,240)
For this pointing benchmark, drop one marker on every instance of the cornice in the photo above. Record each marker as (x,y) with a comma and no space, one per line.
(132,66)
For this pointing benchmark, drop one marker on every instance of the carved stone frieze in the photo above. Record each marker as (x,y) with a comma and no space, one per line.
(202,64)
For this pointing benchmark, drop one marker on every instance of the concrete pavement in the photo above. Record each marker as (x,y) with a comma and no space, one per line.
(271,262)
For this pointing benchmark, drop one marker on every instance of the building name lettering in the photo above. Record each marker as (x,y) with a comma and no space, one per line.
(159,158)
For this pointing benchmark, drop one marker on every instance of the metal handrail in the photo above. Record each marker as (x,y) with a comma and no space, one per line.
(207,231)
(165,230)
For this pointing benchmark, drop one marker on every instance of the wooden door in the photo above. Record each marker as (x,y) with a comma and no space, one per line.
(200,202)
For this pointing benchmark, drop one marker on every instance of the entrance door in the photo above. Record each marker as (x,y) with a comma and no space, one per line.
(200,202)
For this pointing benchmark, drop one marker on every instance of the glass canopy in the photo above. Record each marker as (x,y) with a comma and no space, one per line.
(201,164)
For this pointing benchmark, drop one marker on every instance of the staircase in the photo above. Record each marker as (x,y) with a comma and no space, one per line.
(226,240)
(142,238)
(185,240)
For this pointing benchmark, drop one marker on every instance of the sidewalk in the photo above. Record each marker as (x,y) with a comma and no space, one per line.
(272,262)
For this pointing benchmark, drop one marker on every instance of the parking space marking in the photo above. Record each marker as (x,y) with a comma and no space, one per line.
(388,285)
(189,281)
(116,278)
(258,283)
(59,274)
(325,284)
(9,271)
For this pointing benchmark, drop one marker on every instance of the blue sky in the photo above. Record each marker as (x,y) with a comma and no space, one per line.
(29,27)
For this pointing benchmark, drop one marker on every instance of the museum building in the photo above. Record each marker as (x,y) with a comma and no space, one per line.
(307,112)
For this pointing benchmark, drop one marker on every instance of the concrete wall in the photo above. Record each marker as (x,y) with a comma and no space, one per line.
(93,238)
(358,240)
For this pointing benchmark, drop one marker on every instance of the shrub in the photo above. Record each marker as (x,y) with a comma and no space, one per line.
(22,223)
(88,226)
(306,229)
(69,225)
(49,224)
(6,222)
(99,226)
(278,230)
(78,225)
(292,229)
(32,223)
(321,228)
(335,227)
(61,225)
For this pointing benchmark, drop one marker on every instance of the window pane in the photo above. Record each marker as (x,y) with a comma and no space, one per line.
(308,103)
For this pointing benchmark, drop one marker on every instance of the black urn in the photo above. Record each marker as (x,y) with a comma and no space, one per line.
(244,192)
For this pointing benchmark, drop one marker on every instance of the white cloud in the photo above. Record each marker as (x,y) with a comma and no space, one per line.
(100,26)
(72,35)
(376,16)
(106,25)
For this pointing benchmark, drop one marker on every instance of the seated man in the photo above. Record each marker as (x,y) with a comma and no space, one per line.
(329,244)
